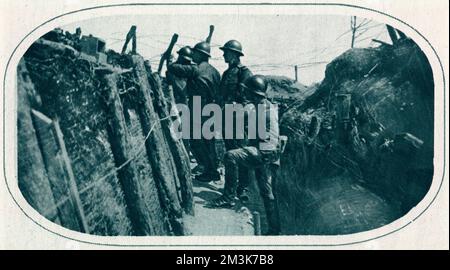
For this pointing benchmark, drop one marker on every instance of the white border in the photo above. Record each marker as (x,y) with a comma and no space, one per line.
(10,131)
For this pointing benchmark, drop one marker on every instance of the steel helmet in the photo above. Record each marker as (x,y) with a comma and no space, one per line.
(233,45)
(203,47)
(255,84)
(186,53)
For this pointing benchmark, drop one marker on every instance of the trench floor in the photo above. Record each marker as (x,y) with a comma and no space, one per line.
(217,221)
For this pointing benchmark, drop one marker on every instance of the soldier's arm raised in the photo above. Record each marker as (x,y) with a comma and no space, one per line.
(184,71)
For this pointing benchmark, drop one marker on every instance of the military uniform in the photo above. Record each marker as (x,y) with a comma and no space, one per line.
(202,80)
(179,87)
(263,157)
(178,84)
(258,153)
(262,154)
(230,91)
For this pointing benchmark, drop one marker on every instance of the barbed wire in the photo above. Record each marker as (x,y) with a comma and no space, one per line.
(376,37)
(179,45)
(322,53)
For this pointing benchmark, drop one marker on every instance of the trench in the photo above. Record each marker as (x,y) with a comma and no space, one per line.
(359,152)
(360,149)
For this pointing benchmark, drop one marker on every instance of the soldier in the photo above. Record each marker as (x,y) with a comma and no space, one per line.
(234,75)
(202,80)
(178,83)
(179,89)
(230,92)
(262,154)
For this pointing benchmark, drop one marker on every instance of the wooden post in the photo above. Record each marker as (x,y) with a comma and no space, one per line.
(131,35)
(381,42)
(134,44)
(75,197)
(157,149)
(353,29)
(179,153)
(32,176)
(167,53)
(139,214)
(401,34)
(257,223)
(54,166)
(392,34)
(296,73)
(211,31)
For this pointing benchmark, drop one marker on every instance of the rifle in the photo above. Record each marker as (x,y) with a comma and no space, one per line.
(167,53)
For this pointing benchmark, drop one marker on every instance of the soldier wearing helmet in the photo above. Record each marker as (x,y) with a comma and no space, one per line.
(235,74)
(231,92)
(178,83)
(184,55)
(262,154)
(202,80)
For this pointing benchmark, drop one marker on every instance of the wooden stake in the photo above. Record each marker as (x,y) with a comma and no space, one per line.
(257,223)
(401,34)
(381,42)
(167,53)
(32,176)
(179,153)
(54,165)
(296,73)
(74,195)
(131,35)
(138,212)
(211,31)
(353,28)
(392,34)
(157,148)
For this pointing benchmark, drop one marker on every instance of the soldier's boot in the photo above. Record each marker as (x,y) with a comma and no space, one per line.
(273,219)
(221,202)
(243,184)
(199,169)
(208,176)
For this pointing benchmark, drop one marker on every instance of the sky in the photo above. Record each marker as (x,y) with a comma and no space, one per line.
(272,44)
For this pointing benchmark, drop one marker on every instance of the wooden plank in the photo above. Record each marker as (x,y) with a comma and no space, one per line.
(180,156)
(74,195)
(32,176)
(57,178)
(157,149)
(140,216)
